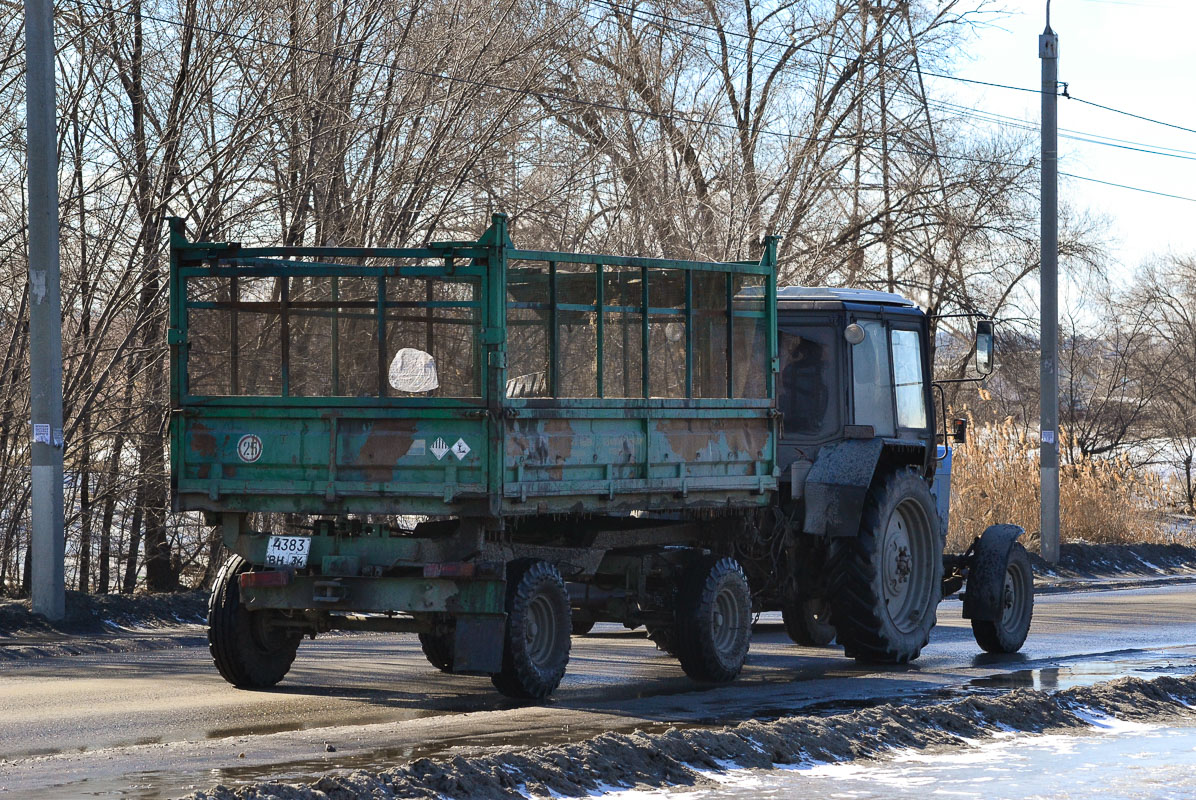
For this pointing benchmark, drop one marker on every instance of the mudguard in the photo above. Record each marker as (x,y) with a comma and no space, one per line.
(837,485)
(983,595)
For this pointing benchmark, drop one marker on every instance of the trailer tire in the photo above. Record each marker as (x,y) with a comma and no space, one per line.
(714,620)
(886,583)
(536,641)
(1008,634)
(438,649)
(582,626)
(807,621)
(248,652)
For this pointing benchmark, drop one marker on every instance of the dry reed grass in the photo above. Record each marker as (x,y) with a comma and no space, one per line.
(994,479)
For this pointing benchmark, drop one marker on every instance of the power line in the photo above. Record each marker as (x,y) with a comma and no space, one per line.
(536,93)
(813,50)
(1135,116)
(1131,188)
(606,106)
(755,38)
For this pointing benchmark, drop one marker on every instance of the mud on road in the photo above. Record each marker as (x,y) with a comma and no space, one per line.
(680,757)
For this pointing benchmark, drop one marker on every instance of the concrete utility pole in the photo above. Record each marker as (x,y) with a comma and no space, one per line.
(1048,52)
(45,313)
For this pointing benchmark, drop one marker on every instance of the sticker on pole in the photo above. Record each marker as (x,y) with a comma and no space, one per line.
(41,433)
(1048,437)
(460,449)
(439,448)
(249,448)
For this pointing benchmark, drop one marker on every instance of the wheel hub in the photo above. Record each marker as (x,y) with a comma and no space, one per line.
(905,576)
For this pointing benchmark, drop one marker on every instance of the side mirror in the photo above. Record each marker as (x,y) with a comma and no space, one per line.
(984,346)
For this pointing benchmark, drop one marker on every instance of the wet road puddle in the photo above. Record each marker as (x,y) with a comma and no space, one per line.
(1089,671)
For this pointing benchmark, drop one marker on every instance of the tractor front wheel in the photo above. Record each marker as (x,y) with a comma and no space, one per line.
(1008,634)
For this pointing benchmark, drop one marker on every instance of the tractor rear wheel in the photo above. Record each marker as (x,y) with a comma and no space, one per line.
(249,651)
(886,582)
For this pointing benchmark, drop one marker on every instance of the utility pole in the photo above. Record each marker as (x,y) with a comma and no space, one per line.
(1048,52)
(45,313)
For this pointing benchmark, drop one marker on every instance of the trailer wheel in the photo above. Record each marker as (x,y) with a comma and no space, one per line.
(536,644)
(1008,634)
(714,620)
(582,626)
(886,582)
(807,621)
(249,652)
(438,649)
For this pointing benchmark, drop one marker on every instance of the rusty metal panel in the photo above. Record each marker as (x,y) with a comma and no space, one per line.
(636,459)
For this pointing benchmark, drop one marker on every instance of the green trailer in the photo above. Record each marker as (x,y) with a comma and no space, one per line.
(496,448)
(485,445)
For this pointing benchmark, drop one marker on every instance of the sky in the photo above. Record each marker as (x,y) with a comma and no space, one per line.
(1134,55)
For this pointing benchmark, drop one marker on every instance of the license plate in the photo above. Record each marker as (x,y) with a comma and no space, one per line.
(288,551)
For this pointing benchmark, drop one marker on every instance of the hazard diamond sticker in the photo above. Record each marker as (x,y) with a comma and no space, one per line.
(460,449)
(439,448)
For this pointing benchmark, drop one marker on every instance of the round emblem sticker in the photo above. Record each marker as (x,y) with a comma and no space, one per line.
(249,448)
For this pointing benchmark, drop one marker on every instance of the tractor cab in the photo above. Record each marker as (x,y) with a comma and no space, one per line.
(853,366)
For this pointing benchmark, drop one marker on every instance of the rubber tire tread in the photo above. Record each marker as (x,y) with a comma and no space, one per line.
(582,627)
(989,635)
(438,649)
(700,585)
(231,642)
(803,629)
(519,678)
(853,567)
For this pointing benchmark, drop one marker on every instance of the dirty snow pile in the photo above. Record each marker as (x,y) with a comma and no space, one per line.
(681,757)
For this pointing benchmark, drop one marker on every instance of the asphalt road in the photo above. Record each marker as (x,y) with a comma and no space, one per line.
(160,723)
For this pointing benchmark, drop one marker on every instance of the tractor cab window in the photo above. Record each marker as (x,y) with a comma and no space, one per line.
(808,378)
(907,379)
(871,385)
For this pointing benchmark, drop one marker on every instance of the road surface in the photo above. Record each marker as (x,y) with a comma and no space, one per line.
(160,723)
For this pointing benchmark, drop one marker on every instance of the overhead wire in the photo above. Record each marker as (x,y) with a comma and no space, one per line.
(548,94)
(756,38)
(1068,134)
(1127,186)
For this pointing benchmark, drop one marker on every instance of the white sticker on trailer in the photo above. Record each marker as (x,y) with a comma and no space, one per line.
(249,448)
(460,449)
